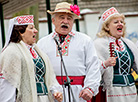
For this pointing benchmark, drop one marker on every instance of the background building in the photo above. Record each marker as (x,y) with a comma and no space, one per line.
(90,14)
(94,5)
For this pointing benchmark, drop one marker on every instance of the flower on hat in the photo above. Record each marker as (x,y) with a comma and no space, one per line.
(75,9)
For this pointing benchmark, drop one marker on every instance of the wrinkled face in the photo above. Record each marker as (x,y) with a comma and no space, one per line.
(29,35)
(63,23)
(116,27)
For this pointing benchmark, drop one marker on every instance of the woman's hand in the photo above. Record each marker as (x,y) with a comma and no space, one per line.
(111,61)
(58,96)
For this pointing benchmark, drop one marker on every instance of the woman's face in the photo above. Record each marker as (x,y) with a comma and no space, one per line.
(116,27)
(29,35)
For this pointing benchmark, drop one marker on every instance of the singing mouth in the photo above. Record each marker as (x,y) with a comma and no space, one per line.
(120,29)
(63,25)
(34,36)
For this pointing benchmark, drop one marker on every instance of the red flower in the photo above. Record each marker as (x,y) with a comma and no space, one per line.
(75,9)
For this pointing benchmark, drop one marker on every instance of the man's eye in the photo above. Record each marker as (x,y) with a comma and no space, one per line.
(69,18)
(62,17)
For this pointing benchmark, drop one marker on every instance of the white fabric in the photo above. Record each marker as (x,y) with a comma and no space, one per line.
(100,24)
(11,24)
(81,60)
(17,64)
(137,44)
(122,94)
(7,91)
(43,98)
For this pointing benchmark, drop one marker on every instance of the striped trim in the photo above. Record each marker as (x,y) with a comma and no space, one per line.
(122,95)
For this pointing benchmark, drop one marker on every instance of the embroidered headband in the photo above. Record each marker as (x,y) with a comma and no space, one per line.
(108,13)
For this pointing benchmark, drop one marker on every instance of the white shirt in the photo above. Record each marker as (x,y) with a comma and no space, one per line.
(7,91)
(81,60)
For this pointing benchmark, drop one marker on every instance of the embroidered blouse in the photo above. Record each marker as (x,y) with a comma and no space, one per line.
(40,70)
(124,62)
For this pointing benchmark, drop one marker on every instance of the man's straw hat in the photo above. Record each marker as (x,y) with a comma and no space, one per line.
(67,8)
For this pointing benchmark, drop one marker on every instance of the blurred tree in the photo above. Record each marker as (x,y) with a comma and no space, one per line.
(32,10)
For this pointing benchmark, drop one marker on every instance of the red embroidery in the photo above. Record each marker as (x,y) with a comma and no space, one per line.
(108,13)
(103,66)
(122,95)
(33,53)
(25,19)
(1,76)
(90,90)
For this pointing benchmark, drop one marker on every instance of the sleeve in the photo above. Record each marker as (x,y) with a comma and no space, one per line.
(93,75)
(7,91)
(11,66)
(102,53)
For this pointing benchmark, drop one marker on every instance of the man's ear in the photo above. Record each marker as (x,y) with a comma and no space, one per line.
(53,20)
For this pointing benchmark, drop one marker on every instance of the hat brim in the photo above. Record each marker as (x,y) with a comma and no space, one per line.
(63,11)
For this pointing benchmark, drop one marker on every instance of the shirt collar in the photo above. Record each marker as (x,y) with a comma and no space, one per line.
(29,46)
(114,39)
(72,33)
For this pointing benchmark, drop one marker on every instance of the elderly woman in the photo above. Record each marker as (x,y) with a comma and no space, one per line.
(26,72)
(118,57)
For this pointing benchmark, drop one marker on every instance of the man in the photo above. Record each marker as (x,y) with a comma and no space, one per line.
(78,53)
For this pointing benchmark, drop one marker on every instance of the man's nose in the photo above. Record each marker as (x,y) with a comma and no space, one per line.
(65,20)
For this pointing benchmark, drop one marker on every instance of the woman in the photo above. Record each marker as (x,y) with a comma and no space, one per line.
(27,73)
(118,57)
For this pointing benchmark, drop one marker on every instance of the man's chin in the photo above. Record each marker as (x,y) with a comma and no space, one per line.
(64,33)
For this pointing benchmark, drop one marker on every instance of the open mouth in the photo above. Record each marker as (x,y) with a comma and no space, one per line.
(34,36)
(120,29)
(64,26)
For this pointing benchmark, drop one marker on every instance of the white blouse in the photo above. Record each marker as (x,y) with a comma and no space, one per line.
(7,91)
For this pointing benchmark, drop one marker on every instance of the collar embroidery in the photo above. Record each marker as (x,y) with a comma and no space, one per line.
(32,51)
(118,44)
(65,44)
